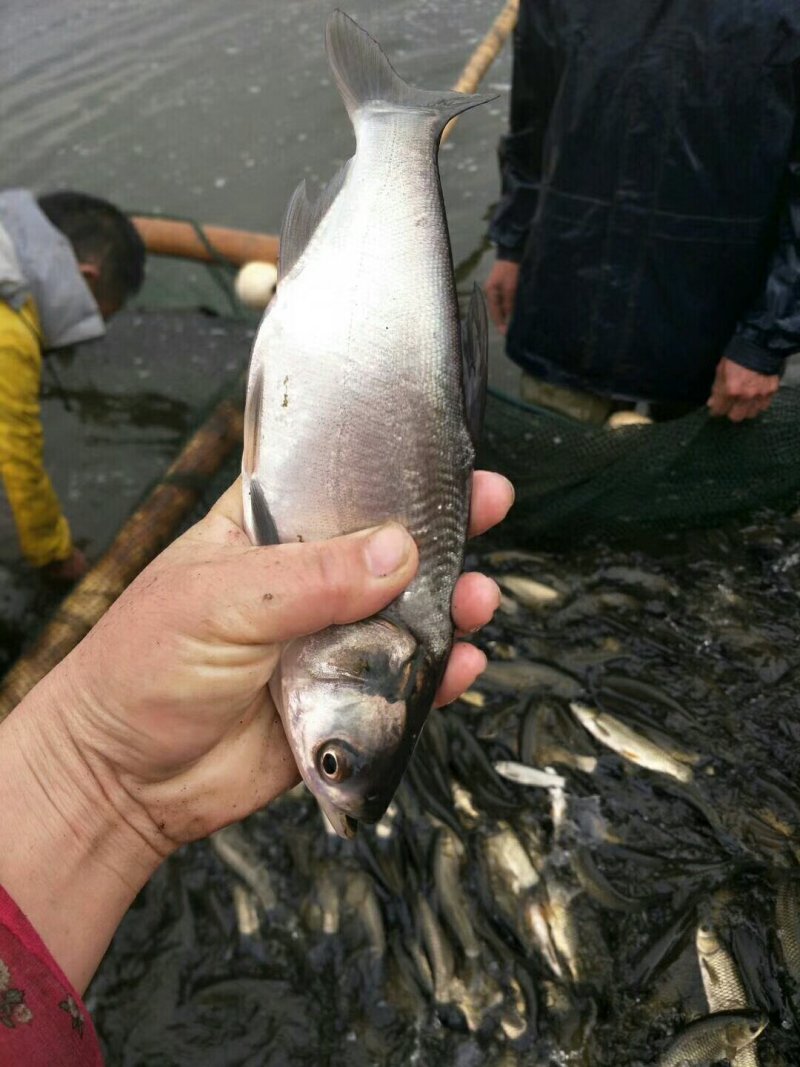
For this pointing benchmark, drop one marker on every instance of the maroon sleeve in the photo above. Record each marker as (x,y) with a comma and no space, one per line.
(43,1021)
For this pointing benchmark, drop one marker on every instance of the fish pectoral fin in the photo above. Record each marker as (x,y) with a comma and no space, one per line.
(475,349)
(252,419)
(263,523)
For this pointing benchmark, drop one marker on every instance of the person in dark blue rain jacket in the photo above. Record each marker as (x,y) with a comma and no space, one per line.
(648,233)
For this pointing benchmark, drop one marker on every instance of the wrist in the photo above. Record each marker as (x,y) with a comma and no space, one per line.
(75,849)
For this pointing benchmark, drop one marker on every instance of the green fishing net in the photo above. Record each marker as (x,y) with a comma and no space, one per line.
(572,478)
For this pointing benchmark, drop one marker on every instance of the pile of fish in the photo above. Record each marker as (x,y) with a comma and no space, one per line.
(593,858)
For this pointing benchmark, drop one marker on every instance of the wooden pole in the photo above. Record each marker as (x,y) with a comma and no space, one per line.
(140,539)
(484,55)
(172,237)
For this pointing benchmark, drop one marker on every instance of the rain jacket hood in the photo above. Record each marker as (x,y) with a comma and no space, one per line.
(651,192)
(37,261)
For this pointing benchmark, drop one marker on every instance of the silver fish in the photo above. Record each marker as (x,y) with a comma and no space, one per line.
(233,847)
(714,1037)
(787,914)
(722,983)
(633,746)
(364,404)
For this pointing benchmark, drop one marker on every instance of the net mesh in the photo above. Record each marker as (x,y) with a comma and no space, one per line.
(572,479)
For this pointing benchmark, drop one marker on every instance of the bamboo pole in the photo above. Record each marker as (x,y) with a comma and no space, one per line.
(484,55)
(151,525)
(173,237)
(140,539)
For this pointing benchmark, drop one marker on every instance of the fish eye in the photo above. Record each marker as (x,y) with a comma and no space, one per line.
(334,764)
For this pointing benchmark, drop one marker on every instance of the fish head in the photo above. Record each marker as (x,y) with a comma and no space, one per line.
(353,700)
(741,1031)
(706,939)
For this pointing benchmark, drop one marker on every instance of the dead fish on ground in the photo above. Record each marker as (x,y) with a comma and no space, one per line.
(787,914)
(520,675)
(232,847)
(631,745)
(722,983)
(715,1037)
(526,591)
(364,403)
(448,857)
(525,775)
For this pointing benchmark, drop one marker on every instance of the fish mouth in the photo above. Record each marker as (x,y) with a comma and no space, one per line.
(343,825)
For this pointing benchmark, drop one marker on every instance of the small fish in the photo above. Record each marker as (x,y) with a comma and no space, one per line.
(526,591)
(520,675)
(714,1037)
(722,983)
(362,900)
(244,906)
(631,745)
(524,775)
(364,404)
(538,746)
(509,862)
(233,848)
(439,951)
(787,915)
(447,873)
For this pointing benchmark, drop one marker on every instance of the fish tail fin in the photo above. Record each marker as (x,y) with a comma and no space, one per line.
(365,76)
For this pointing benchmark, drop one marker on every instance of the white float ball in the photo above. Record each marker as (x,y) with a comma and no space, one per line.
(255,283)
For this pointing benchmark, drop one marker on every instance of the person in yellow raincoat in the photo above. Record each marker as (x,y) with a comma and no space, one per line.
(68,261)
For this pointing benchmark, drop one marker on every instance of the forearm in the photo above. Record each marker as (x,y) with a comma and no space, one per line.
(71,853)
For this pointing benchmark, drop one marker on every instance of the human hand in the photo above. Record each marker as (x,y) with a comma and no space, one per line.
(67,570)
(175,715)
(159,728)
(501,292)
(740,393)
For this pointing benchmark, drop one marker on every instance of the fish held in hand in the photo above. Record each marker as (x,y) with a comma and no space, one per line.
(365,402)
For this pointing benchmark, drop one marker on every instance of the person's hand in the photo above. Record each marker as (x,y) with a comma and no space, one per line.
(159,728)
(501,292)
(172,682)
(740,393)
(67,570)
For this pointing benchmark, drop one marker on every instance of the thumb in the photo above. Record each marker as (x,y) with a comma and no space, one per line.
(279,592)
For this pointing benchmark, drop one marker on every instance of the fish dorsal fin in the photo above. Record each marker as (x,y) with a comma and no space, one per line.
(475,348)
(364,75)
(303,217)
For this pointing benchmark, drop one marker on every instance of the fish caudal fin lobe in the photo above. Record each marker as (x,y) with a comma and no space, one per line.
(475,348)
(365,76)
